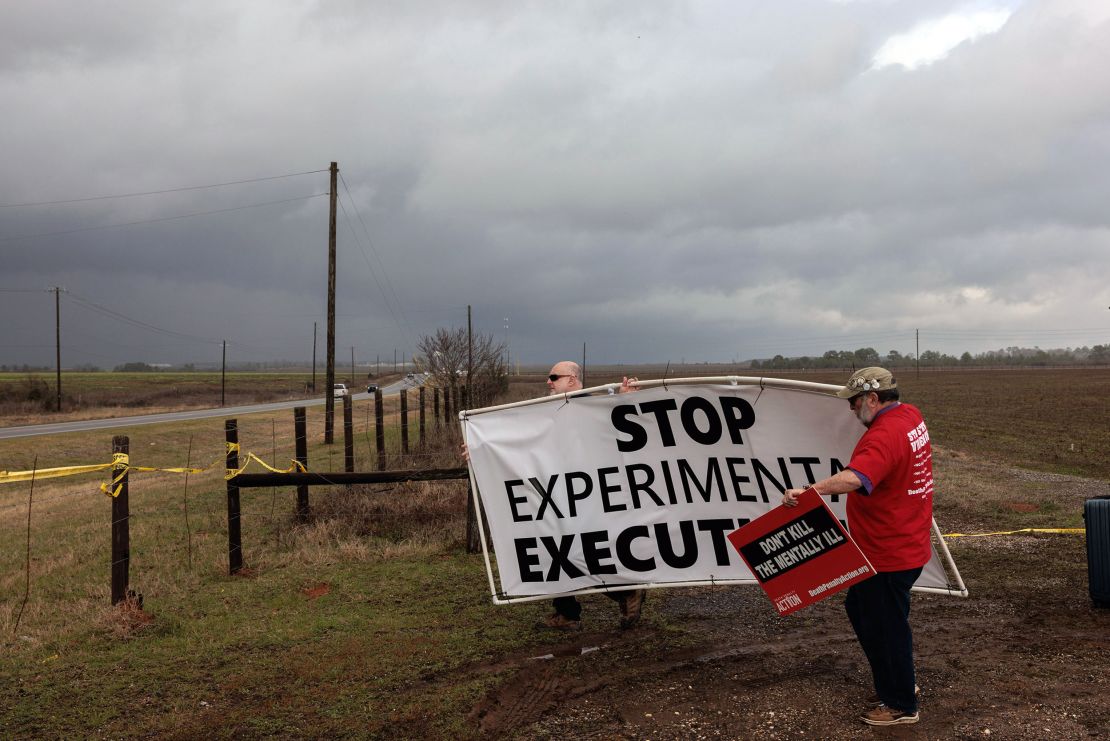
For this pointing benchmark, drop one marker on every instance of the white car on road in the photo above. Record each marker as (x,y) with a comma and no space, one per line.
(340,389)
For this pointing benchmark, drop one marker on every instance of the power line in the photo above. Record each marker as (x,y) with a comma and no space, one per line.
(112,314)
(164,218)
(401,323)
(373,273)
(830,339)
(103,310)
(1013,333)
(159,192)
(374,250)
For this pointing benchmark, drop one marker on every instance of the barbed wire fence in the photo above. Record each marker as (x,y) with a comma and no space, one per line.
(410,485)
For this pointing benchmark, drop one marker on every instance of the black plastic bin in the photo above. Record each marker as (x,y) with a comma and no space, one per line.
(1096,516)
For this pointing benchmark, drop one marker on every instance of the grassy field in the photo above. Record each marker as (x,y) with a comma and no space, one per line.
(371,620)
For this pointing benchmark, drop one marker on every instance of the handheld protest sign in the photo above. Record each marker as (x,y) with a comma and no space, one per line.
(800,555)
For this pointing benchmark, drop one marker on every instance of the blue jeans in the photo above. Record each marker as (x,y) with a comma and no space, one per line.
(879,609)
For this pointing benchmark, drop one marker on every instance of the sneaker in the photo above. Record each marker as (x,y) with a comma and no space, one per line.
(875,702)
(630,608)
(886,716)
(557,621)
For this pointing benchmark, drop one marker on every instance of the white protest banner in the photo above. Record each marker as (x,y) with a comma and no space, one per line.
(587,492)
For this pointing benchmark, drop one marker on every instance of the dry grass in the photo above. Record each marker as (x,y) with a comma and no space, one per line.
(374,523)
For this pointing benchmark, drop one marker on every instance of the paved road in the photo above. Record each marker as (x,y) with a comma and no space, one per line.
(150,419)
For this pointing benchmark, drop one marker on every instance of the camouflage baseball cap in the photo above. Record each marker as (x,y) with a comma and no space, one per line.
(867,379)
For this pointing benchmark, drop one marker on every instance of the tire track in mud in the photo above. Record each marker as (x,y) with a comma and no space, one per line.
(537,685)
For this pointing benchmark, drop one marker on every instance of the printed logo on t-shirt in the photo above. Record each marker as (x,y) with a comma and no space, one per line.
(918,436)
(922,483)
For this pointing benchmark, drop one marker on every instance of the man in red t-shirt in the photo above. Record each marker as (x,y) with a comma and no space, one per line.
(889,480)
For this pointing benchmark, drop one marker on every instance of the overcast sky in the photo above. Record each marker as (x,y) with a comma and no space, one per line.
(663,181)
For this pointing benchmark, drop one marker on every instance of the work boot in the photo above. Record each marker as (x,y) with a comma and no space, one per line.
(557,621)
(630,608)
(887,716)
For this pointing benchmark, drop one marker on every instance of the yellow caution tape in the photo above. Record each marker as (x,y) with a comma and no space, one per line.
(1065,530)
(52,473)
(232,473)
(120,463)
(121,466)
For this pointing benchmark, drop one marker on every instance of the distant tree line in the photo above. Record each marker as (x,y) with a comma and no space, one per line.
(1010,356)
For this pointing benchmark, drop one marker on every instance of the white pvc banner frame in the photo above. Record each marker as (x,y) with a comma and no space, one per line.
(538,469)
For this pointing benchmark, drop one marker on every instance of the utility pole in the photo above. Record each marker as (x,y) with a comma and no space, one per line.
(583,363)
(329,398)
(508,357)
(352,366)
(58,349)
(378,365)
(917,333)
(314,357)
(469,358)
(223,377)
(394,360)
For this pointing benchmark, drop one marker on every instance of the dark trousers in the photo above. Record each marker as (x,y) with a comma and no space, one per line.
(571,608)
(879,609)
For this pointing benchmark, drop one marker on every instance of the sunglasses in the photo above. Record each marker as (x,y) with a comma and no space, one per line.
(554,377)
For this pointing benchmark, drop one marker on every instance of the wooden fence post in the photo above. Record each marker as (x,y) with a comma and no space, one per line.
(473,545)
(421,416)
(404,422)
(379,428)
(348,435)
(435,405)
(447,406)
(121,531)
(300,433)
(234,534)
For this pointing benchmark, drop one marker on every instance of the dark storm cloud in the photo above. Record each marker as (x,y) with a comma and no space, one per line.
(658,180)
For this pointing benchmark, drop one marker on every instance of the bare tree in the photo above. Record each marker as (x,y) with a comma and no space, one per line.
(445,356)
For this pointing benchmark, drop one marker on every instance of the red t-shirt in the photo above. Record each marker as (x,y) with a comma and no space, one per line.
(891,525)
